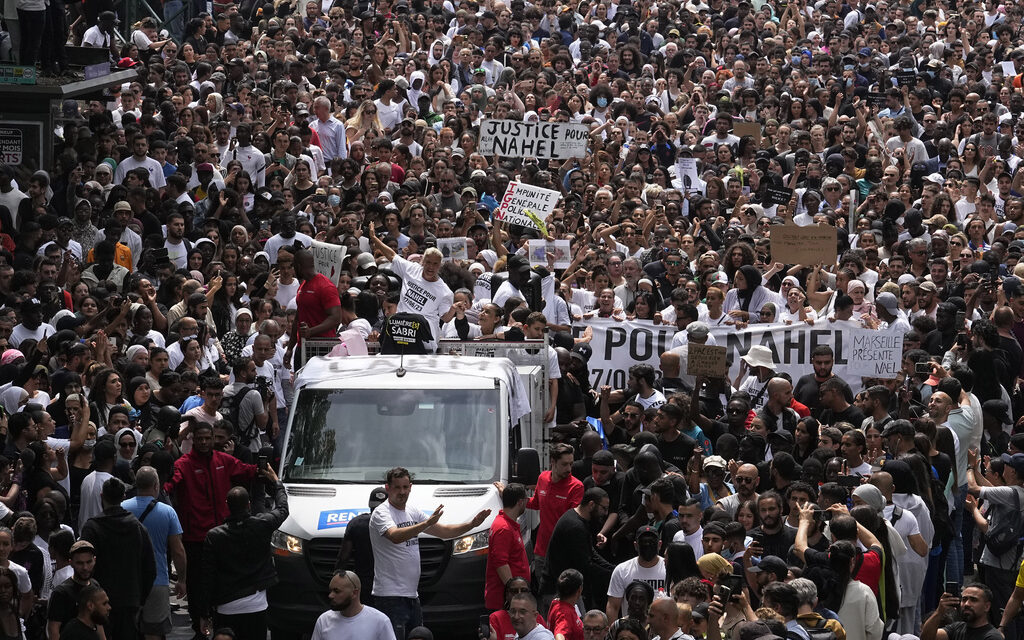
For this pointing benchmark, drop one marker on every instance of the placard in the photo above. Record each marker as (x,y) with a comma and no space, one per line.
(1009,70)
(453,248)
(520,198)
(876,100)
(905,78)
(875,354)
(778,195)
(706,360)
(686,172)
(539,250)
(542,140)
(808,245)
(328,258)
(740,129)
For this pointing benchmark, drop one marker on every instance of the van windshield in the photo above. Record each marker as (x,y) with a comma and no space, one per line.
(445,436)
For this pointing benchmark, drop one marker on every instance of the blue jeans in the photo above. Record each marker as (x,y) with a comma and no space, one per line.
(174,19)
(404,613)
(955,558)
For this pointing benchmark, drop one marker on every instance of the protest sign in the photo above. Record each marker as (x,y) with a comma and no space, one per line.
(542,140)
(876,354)
(520,198)
(705,360)
(905,78)
(327,258)
(778,195)
(752,129)
(686,171)
(876,100)
(1008,68)
(453,248)
(559,248)
(804,245)
(619,345)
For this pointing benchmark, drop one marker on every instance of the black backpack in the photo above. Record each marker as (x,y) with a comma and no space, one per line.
(818,632)
(1004,534)
(231,410)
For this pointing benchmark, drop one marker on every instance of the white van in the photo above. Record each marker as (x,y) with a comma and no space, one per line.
(457,422)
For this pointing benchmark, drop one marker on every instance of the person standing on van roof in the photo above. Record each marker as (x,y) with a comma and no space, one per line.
(394,527)
(318,304)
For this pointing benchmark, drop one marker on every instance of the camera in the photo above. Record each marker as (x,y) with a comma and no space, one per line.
(265,386)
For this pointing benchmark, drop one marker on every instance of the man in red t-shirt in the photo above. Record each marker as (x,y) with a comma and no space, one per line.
(318,304)
(557,491)
(506,558)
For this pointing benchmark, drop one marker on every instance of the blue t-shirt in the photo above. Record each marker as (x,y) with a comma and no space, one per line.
(161,523)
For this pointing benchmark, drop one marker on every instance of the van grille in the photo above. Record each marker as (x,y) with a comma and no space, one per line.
(322,553)
(312,492)
(459,492)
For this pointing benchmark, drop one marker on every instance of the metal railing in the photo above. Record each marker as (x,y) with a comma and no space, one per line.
(529,352)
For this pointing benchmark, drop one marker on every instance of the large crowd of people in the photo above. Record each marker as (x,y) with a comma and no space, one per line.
(157,282)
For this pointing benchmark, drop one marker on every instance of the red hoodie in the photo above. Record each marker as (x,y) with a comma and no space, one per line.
(201,490)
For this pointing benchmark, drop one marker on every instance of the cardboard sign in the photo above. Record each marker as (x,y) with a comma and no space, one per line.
(778,195)
(705,360)
(753,129)
(1009,70)
(689,179)
(328,259)
(539,250)
(875,354)
(542,140)
(520,198)
(804,245)
(453,248)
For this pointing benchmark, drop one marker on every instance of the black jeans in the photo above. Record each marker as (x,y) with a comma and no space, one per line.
(193,581)
(245,625)
(55,30)
(32,24)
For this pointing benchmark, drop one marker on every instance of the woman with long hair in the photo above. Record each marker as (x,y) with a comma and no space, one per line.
(226,303)
(851,599)
(366,119)
(680,563)
(104,394)
(10,605)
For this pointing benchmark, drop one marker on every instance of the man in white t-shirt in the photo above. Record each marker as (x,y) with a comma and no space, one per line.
(423,291)
(140,159)
(394,531)
(348,617)
(31,326)
(648,567)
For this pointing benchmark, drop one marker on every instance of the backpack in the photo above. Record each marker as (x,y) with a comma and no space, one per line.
(231,410)
(1004,533)
(818,632)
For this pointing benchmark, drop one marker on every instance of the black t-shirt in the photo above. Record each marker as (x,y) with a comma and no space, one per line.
(678,451)
(776,544)
(360,560)
(613,489)
(76,630)
(851,414)
(63,604)
(960,631)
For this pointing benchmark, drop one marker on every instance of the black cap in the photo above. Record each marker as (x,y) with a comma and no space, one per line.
(771,564)
(647,530)
(518,263)
(603,458)
(898,428)
(377,497)
(997,409)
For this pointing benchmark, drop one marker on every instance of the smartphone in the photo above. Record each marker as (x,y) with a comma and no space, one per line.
(849,481)
(924,368)
(961,340)
(953,589)
(961,319)
(724,593)
(758,539)
(734,583)
(485,627)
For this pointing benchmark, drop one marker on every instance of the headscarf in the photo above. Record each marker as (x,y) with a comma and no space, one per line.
(753,280)
(871,496)
(134,350)
(117,443)
(12,399)
(10,356)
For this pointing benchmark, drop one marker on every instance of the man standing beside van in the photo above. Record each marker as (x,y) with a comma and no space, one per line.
(394,527)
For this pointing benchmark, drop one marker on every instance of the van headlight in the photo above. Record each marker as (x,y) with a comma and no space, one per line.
(472,542)
(285,544)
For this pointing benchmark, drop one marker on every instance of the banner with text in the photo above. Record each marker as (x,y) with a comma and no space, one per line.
(541,140)
(521,200)
(858,352)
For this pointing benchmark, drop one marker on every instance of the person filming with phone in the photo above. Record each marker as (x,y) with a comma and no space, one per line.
(237,566)
(974,603)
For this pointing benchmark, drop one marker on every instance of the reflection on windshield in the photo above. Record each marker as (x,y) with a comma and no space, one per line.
(355,435)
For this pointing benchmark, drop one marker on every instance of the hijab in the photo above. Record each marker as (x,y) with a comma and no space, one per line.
(752,278)
(871,496)
(12,399)
(117,443)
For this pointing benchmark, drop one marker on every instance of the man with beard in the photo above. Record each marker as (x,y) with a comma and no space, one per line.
(64,599)
(93,612)
(974,604)
(288,236)
(570,546)
(648,566)
(348,617)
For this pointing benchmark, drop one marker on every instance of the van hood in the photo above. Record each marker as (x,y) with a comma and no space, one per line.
(324,511)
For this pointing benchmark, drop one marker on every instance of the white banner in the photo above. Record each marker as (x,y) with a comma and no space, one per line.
(619,345)
(520,198)
(541,140)
(327,258)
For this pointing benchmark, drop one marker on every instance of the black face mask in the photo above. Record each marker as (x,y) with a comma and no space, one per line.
(647,549)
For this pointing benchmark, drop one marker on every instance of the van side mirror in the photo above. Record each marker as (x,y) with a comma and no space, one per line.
(527,466)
